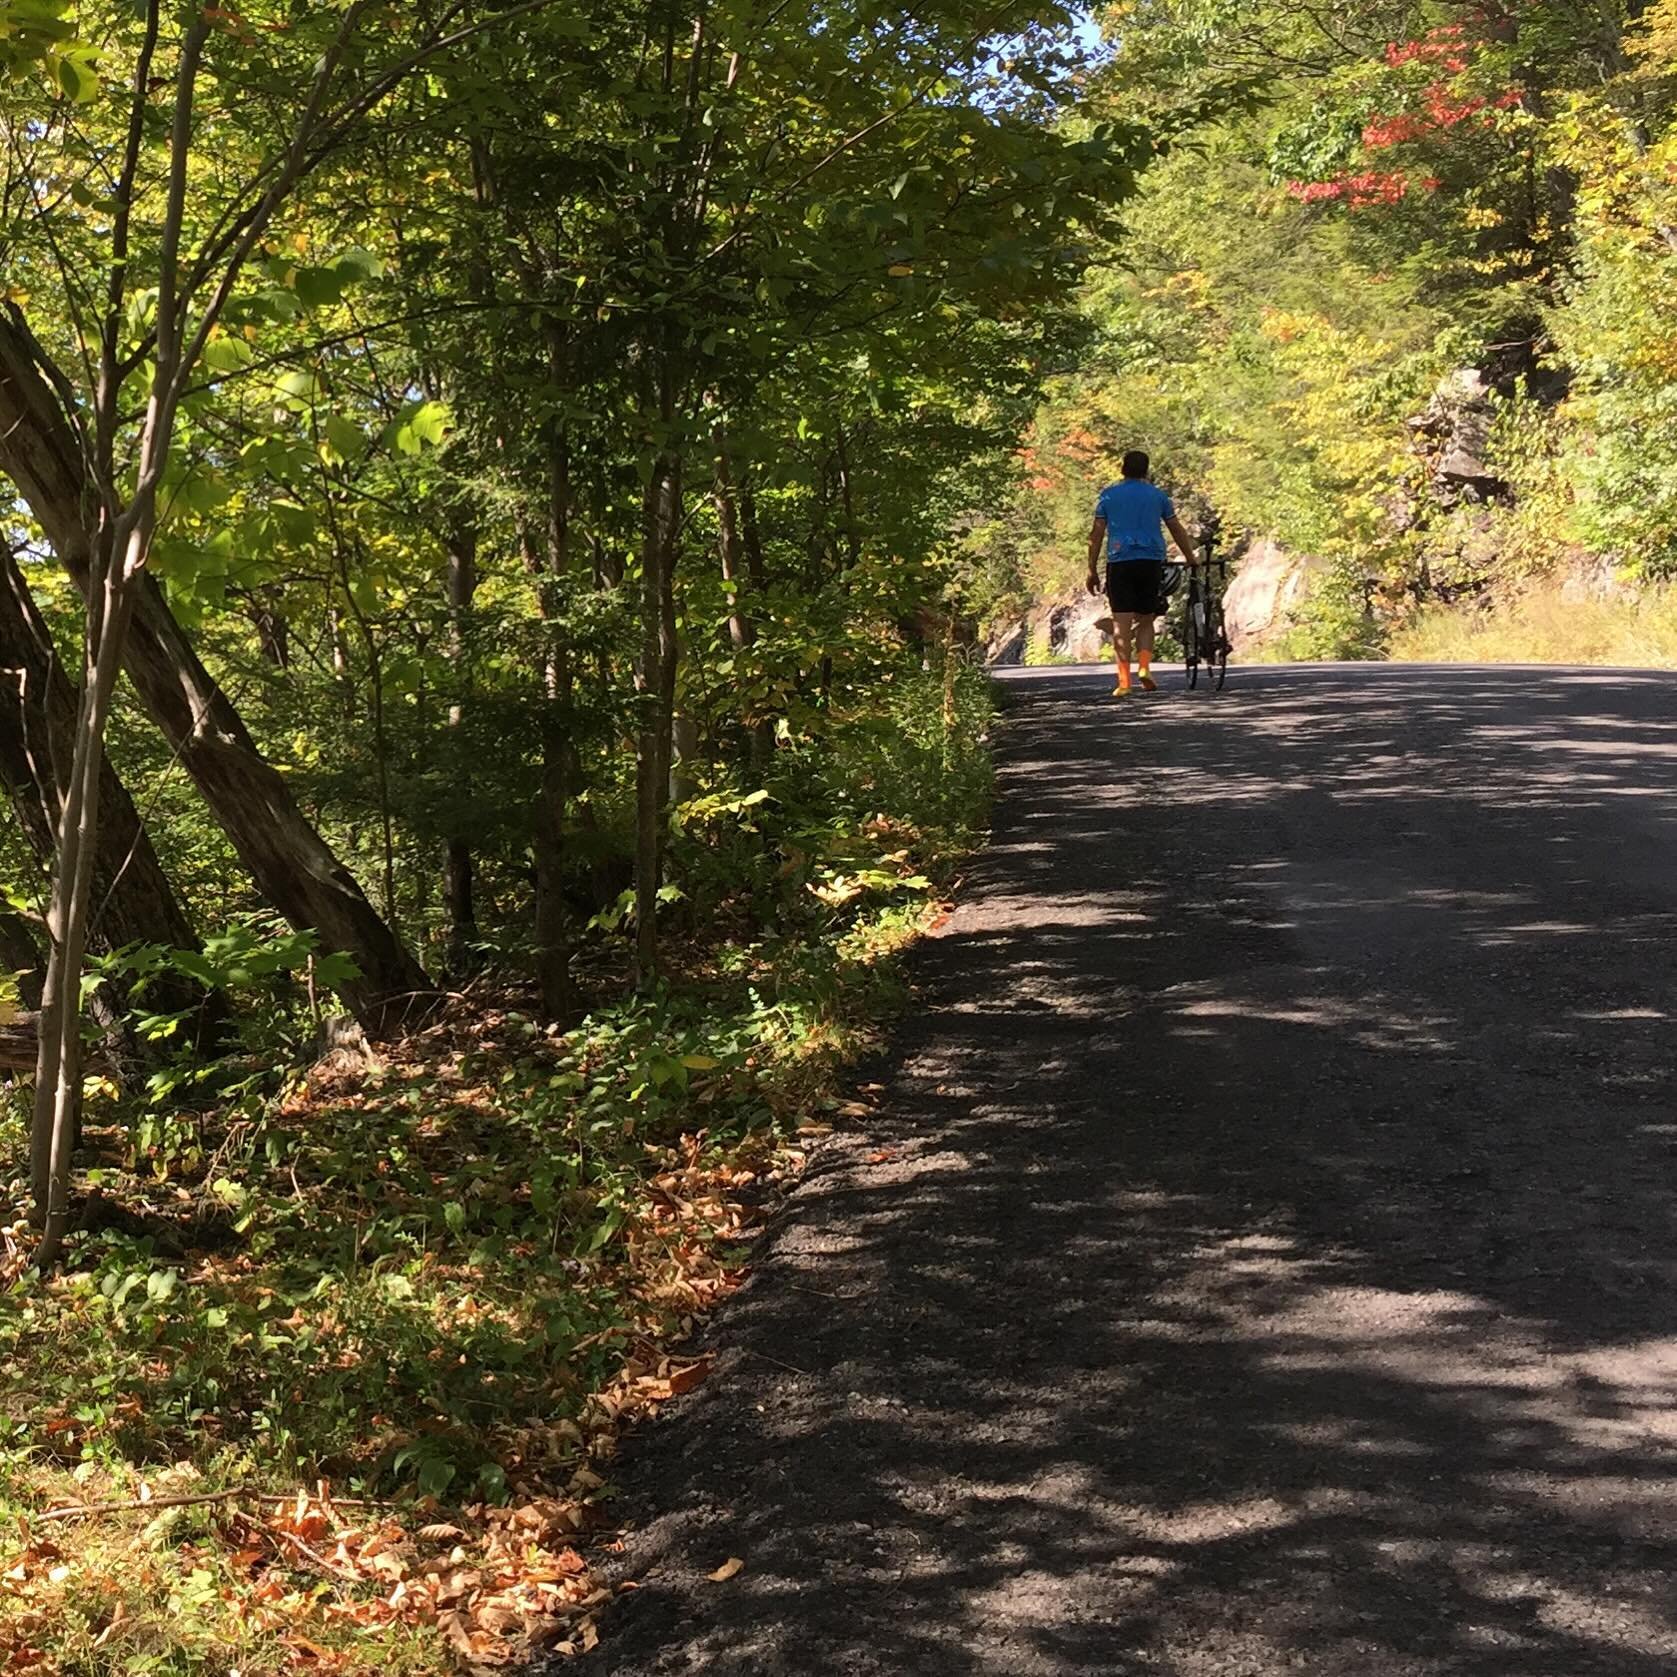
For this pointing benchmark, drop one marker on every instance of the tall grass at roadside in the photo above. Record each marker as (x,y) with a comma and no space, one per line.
(1542,627)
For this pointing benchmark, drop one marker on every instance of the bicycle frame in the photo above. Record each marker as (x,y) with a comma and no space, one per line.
(1205,639)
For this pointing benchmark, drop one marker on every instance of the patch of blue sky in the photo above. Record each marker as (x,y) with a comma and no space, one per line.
(1079,39)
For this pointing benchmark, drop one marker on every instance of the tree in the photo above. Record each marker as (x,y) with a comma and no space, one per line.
(135,903)
(181,188)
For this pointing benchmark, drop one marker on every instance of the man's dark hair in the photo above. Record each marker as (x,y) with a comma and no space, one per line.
(1137,464)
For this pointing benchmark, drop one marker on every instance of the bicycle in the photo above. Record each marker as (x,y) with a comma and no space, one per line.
(1205,632)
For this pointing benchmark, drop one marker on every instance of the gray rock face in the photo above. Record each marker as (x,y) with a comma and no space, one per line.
(1455,435)
(1269,582)
(1079,628)
(1074,627)
(1006,648)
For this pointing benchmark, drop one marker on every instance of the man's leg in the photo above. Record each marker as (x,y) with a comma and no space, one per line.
(1123,643)
(1146,630)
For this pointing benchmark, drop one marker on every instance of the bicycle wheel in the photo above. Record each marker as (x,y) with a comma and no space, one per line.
(1191,640)
(1217,648)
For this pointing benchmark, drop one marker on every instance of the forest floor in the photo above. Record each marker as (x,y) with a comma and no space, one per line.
(334,1375)
(1262,1255)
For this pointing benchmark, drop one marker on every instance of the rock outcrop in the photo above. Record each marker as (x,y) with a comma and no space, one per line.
(1269,583)
(1006,645)
(1455,435)
(1072,628)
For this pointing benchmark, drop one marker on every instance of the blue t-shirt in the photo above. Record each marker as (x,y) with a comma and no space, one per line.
(1135,512)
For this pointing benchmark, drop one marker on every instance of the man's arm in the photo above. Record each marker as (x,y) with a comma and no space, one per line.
(1097,551)
(1183,539)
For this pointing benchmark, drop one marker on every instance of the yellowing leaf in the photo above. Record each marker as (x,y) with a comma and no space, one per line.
(730,1568)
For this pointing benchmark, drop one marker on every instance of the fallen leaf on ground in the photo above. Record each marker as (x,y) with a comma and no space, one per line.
(686,1379)
(730,1568)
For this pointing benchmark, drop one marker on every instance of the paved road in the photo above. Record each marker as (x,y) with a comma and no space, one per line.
(1277,1271)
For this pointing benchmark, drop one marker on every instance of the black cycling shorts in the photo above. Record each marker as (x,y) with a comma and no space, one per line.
(1136,587)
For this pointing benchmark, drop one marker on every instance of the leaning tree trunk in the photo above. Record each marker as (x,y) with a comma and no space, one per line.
(293,867)
(133,899)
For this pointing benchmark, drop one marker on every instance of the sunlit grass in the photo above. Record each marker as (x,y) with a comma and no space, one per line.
(1541,626)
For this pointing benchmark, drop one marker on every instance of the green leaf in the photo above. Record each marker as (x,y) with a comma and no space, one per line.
(435,1475)
(318,287)
(454,1215)
(432,422)
(333,970)
(354,265)
(228,354)
(345,440)
(426,424)
(294,390)
(75,76)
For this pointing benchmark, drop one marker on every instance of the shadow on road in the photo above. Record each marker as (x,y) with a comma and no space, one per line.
(1264,1262)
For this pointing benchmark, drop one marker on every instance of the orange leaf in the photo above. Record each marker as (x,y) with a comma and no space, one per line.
(687,1379)
(730,1568)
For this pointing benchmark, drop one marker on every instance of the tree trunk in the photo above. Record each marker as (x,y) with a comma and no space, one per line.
(20,1047)
(656,681)
(133,899)
(293,867)
(847,499)
(737,565)
(553,932)
(273,633)
(459,872)
(58,1062)
(751,533)
(741,631)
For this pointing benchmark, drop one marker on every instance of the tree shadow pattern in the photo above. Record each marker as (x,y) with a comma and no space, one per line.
(1264,1259)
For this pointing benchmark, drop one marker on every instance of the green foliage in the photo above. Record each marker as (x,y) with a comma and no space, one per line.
(413,1285)
(1419,189)
(527,270)
(1335,621)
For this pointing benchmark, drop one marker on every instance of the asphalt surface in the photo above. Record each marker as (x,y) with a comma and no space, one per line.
(1265,1258)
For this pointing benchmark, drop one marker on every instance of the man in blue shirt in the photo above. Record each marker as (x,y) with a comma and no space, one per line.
(1131,518)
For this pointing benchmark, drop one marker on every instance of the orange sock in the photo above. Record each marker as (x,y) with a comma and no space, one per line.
(1123,675)
(1146,665)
